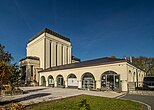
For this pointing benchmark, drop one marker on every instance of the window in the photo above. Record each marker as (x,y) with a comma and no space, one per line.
(32,71)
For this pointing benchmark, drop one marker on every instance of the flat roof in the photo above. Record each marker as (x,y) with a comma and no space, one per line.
(94,62)
(46,30)
(30,57)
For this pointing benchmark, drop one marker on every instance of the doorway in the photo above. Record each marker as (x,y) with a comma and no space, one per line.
(110,81)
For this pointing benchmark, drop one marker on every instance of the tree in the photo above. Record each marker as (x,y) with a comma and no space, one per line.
(145,63)
(4,55)
(15,75)
(5,70)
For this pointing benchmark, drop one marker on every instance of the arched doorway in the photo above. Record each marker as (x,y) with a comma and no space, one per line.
(110,80)
(72,81)
(43,81)
(50,81)
(88,81)
(60,81)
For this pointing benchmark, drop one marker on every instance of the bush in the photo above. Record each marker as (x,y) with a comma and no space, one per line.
(83,105)
(9,88)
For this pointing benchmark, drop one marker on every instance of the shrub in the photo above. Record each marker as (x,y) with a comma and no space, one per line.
(83,105)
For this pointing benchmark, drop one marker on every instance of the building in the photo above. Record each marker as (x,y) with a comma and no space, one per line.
(49,62)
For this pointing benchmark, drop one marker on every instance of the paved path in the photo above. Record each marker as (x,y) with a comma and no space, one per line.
(142,98)
(40,94)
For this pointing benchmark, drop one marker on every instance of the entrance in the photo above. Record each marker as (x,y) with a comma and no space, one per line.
(110,81)
(88,81)
(60,81)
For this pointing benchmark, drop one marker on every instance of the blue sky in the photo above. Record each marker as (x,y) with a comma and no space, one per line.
(97,28)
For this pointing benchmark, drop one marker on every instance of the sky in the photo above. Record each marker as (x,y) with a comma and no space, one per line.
(96,28)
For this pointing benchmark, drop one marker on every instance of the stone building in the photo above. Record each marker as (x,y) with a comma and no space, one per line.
(50,62)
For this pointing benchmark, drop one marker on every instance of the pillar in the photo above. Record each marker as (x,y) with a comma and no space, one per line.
(98,84)
(79,84)
(66,83)
(55,84)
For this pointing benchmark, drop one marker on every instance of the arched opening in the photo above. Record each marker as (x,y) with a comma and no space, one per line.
(88,81)
(72,81)
(43,81)
(110,80)
(60,81)
(50,81)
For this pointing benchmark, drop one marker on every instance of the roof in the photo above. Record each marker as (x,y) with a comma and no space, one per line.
(94,62)
(46,30)
(30,57)
(75,58)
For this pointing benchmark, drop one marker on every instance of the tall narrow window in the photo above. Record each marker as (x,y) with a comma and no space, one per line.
(50,54)
(56,54)
(31,71)
(62,55)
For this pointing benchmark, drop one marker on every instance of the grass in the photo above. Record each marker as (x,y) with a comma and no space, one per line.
(96,103)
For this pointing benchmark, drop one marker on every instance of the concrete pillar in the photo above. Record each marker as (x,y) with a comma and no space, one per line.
(69,55)
(124,85)
(52,53)
(28,74)
(58,54)
(79,84)
(47,83)
(98,84)
(55,84)
(66,83)
(47,55)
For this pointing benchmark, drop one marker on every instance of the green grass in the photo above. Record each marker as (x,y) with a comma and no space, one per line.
(96,103)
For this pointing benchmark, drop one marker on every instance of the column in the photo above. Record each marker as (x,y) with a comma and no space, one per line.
(58,54)
(64,54)
(69,55)
(55,84)
(79,84)
(47,82)
(98,84)
(66,83)
(47,53)
(28,74)
(52,53)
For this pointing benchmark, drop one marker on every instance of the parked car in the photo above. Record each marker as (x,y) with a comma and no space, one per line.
(148,83)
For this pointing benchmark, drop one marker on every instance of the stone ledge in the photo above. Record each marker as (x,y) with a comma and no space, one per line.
(14,92)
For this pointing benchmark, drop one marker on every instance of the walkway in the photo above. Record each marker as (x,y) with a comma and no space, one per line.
(40,94)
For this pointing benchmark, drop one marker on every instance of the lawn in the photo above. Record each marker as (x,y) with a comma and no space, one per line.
(96,103)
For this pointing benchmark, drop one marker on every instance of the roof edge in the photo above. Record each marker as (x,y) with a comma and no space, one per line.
(46,30)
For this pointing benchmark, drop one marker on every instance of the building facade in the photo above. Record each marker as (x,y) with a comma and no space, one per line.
(49,62)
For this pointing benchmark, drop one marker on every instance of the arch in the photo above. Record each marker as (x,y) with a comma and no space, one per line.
(60,81)
(50,81)
(72,81)
(43,81)
(110,80)
(88,81)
